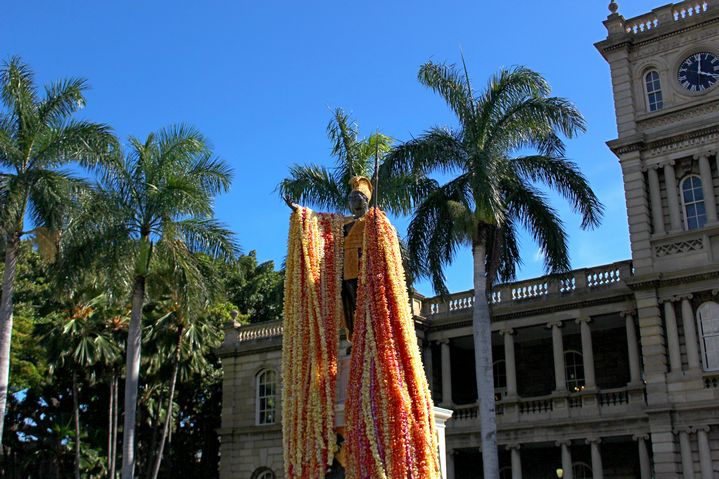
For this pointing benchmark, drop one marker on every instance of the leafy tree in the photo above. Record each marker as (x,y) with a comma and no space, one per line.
(507,142)
(329,188)
(80,340)
(38,136)
(154,210)
(183,333)
(255,289)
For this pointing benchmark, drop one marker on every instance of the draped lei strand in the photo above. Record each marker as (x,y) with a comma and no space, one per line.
(390,426)
(312,312)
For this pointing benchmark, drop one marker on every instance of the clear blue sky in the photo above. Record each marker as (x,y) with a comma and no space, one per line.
(260,79)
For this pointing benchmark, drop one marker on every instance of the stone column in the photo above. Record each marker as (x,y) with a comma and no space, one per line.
(516,461)
(450,464)
(446,373)
(675,358)
(655,200)
(566,459)
(645,466)
(670,182)
(509,362)
(635,376)
(587,352)
(690,333)
(686,453)
(708,188)
(705,453)
(597,469)
(560,379)
(427,356)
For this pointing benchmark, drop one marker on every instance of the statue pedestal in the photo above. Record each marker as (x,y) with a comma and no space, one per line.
(441,415)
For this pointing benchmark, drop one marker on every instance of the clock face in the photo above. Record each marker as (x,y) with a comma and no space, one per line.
(699,72)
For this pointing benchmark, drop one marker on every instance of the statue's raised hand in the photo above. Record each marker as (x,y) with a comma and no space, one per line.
(293,206)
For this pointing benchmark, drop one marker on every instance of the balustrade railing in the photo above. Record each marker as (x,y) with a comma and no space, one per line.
(613,397)
(667,15)
(259,331)
(577,281)
(536,405)
(465,412)
(541,408)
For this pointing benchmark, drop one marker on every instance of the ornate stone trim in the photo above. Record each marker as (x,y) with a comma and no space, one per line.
(678,247)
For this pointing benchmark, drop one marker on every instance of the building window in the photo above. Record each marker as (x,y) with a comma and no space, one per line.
(574,369)
(581,470)
(266,399)
(654,91)
(708,322)
(695,215)
(263,473)
(500,379)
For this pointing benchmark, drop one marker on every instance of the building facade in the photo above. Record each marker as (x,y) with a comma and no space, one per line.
(610,371)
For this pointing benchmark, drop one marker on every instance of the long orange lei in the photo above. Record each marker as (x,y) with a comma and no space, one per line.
(390,427)
(312,312)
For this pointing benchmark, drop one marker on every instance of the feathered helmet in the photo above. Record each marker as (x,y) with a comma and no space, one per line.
(363,185)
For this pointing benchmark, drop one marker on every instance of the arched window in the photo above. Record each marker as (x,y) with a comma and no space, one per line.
(266,397)
(581,470)
(263,473)
(695,215)
(654,91)
(708,325)
(500,379)
(574,369)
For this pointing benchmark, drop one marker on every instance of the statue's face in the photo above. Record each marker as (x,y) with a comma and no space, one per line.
(358,203)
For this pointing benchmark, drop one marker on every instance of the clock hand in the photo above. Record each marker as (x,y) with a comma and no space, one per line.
(709,74)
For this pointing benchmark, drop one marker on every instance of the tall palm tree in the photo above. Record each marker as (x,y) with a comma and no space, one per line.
(507,143)
(155,208)
(38,136)
(329,188)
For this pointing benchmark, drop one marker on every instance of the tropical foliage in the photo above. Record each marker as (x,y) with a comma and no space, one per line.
(328,188)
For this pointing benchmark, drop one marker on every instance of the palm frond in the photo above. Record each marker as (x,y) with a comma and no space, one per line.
(565,177)
(438,149)
(314,185)
(449,84)
(62,99)
(530,208)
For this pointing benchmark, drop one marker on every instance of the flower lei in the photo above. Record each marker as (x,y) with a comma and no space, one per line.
(390,430)
(390,427)
(312,312)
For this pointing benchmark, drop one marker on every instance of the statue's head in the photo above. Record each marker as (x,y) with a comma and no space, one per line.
(359,197)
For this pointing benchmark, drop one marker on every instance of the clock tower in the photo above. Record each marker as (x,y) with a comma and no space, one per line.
(665,80)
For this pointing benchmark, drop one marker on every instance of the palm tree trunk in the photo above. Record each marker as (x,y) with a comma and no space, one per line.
(110,415)
(6,310)
(482,331)
(132,378)
(76,412)
(168,414)
(115,415)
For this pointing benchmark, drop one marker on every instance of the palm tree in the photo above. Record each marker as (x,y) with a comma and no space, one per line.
(508,141)
(155,208)
(183,334)
(37,137)
(79,341)
(329,188)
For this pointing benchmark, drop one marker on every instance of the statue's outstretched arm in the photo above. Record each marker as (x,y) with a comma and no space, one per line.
(293,206)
